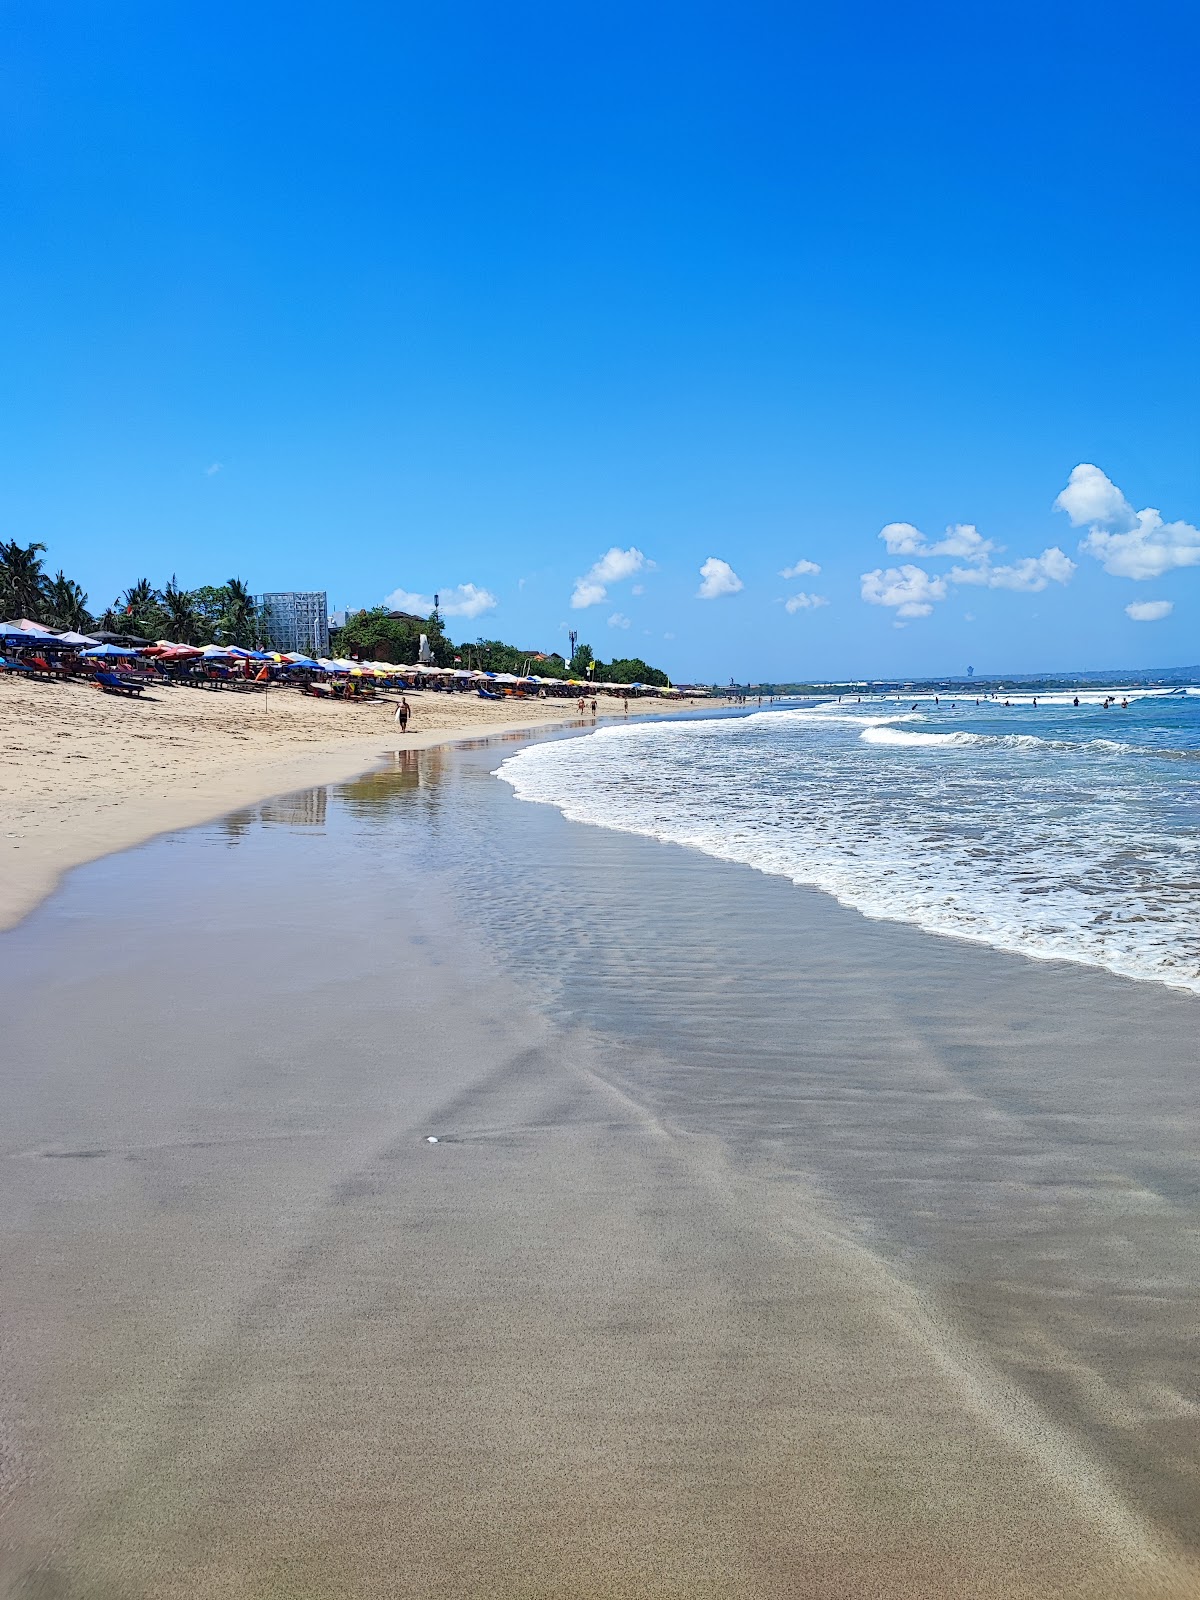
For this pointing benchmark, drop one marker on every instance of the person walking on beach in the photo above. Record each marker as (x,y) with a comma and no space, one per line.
(626,699)
(402,714)
(593,706)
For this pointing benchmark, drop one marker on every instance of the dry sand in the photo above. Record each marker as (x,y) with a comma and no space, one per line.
(85,773)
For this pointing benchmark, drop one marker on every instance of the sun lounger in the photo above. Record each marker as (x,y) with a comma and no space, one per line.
(114,683)
(40,665)
(15,666)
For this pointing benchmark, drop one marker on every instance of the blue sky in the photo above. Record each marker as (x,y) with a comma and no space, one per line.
(380,299)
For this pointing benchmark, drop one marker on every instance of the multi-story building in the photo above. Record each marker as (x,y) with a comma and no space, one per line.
(297,622)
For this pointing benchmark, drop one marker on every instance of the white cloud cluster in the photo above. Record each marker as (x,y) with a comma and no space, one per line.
(1127,543)
(962,540)
(465,600)
(614,566)
(804,602)
(618,620)
(1149,610)
(910,590)
(1030,575)
(802,569)
(717,578)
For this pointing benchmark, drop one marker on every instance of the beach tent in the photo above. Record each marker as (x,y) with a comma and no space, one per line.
(107,650)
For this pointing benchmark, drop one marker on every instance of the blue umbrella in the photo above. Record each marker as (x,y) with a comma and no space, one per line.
(108,650)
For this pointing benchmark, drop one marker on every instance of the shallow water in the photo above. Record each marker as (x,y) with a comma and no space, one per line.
(1041,827)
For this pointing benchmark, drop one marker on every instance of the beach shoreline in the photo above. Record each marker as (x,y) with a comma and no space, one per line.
(86,775)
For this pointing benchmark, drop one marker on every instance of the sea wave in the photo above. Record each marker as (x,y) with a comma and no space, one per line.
(1024,857)
(900,738)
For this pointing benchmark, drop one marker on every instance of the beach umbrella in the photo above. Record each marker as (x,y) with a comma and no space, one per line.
(107,650)
(23,625)
(77,638)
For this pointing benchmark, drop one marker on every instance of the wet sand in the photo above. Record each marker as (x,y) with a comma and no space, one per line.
(83,773)
(764,1251)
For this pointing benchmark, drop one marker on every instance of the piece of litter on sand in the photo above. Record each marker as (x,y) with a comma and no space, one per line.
(431,1138)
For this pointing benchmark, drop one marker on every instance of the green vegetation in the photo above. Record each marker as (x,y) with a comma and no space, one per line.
(223,615)
(226,614)
(376,635)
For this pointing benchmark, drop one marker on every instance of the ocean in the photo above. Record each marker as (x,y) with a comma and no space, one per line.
(1031,824)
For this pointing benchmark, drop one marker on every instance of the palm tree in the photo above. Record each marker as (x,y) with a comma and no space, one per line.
(22,580)
(239,616)
(181,609)
(66,604)
(143,611)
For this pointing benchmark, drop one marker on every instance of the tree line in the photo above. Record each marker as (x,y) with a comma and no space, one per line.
(212,614)
(375,635)
(226,614)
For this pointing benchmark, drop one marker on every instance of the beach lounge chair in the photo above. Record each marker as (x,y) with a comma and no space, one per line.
(45,668)
(15,666)
(114,683)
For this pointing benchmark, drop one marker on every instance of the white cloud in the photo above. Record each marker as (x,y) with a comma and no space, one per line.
(963,540)
(1092,498)
(1127,543)
(613,567)
(638,588)
(1149,610)
(910,590)
(668,635)
(1030,575)
(212,470)
(465,600)
(618,620)
(802,569)
(1152,548)
(717,578)
(804,602)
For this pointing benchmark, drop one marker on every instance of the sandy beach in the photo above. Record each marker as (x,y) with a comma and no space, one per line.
(84,773)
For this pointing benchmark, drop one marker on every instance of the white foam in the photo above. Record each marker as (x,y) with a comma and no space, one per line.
(1024,843)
